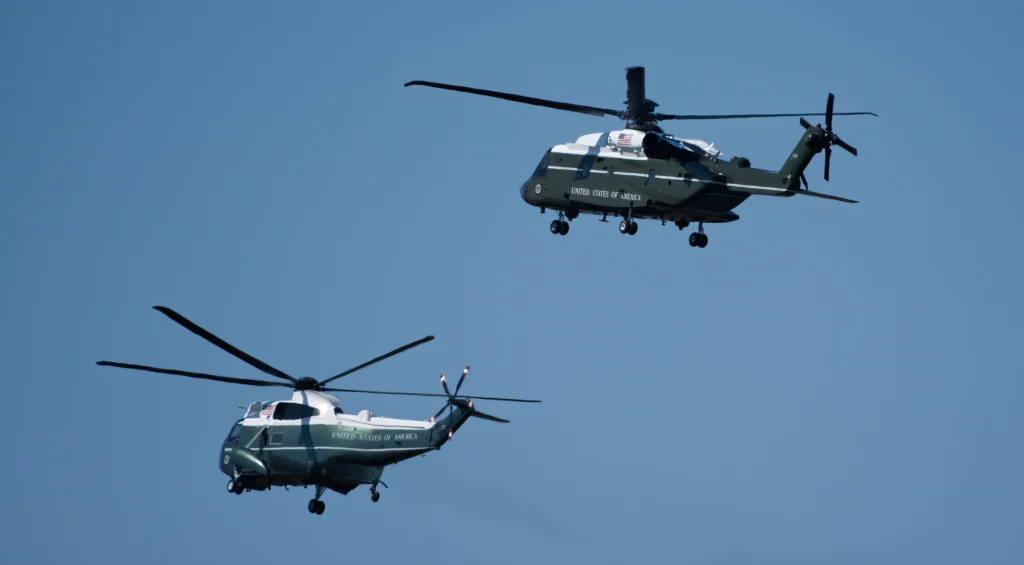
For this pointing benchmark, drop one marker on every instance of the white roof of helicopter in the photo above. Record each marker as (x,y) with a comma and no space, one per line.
(259,412)
(585,145)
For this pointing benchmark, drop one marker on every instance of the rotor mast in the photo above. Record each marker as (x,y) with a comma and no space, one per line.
(639,114)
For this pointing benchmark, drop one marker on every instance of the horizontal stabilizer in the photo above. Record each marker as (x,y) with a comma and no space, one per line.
(827,196)
(480,414)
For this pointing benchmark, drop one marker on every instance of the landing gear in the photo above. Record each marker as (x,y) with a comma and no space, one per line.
(235,487)
(317,506)
(560,226)
(374,495)
(628,225)
(699,238)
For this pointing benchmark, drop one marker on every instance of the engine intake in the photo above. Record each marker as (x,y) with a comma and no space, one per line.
(657,147)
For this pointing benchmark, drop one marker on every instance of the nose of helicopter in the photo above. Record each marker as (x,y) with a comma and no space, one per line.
(522,191)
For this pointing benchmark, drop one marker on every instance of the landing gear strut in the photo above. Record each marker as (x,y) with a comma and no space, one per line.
(560,226)
(699,238)
(317,506)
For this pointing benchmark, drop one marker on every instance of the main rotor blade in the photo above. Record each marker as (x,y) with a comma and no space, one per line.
(731,116)
(192,374)
(381,358)
(475,397)
(384,392)
(397,393)
(194,328)
(590,110)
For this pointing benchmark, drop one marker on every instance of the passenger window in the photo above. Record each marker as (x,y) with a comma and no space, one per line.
(294,411)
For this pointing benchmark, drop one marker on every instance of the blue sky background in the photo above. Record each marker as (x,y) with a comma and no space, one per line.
(824,383)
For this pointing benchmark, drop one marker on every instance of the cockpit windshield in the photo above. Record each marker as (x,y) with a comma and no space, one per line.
(542,167)
(258,409)
(236,431)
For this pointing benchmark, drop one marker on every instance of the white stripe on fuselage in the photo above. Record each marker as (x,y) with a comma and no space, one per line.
(733,185)
(330,448)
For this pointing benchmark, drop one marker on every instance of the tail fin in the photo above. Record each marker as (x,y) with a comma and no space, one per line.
(814,140)
(460,412)
(460,409)
(811,143)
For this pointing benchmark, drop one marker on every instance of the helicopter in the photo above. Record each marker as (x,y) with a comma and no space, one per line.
(642,172)
(308,440)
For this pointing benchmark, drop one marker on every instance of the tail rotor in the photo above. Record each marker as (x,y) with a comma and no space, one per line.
(466,403)
(829,136)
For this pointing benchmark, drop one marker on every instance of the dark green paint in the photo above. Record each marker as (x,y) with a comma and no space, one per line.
(321,451)
(698,190)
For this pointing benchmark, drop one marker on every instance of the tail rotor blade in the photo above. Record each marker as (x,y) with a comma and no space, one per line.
(828,158)
(828,112)
(458,385)
(439,412)
(845,145)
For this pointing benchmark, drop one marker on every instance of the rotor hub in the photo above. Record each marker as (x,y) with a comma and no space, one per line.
(306,383)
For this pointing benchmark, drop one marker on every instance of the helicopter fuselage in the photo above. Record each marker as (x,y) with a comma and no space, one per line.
(310,441)
(692,184)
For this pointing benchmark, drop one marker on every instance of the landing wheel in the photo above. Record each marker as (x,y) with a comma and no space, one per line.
(632,228)
(316,506)
(623,227)
(559,227)
(563,228)
(234,487)
(374,496)
(698,239)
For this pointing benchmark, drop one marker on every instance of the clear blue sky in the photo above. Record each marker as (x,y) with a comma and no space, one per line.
(825,383)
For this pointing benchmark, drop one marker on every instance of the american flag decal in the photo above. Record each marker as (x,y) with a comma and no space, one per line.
(624,139)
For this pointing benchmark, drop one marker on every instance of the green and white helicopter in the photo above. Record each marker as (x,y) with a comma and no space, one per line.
(310,441)
(642,172)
